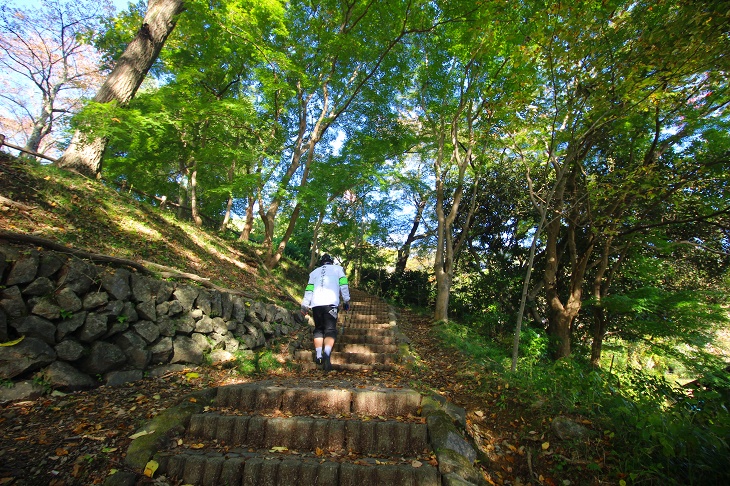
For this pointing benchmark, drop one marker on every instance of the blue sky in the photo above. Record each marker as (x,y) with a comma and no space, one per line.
(119,4)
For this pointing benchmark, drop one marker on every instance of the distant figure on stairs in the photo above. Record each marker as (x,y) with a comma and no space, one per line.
(322,298)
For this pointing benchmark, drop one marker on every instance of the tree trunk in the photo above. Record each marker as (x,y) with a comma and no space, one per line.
(85,152)
(276,257)
(599,332)
(248,225)
(314,250)
(405,250)
(227,216)
(229,204)
(443,293)
(182,192)
(268,218)
(194,196)
(41,127)
(601,286)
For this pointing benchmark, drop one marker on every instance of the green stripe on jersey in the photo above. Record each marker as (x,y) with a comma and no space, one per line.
(310,287)
(343,280)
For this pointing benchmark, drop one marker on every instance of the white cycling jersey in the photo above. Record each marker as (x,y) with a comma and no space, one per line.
(325,285)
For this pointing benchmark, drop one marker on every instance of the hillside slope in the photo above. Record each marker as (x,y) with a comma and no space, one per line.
(85,214)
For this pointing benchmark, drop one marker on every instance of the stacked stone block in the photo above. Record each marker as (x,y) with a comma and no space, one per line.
(84,324)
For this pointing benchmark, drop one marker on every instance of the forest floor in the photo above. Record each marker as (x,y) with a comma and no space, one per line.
(79,438)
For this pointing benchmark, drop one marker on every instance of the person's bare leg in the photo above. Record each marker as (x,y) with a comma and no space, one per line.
(318,348)
(329,342)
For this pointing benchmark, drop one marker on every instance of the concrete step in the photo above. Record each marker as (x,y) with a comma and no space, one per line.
(244,470)
(370,437)
(385,402)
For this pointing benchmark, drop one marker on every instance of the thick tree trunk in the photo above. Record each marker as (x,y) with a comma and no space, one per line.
(123,81)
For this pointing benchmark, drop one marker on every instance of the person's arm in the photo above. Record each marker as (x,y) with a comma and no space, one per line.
(307,300)
(344,290)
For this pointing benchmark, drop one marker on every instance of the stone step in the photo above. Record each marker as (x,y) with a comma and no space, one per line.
(310,365)
(356,338)
(343,346)
(365,331)
(375,402)
(349,358)
(232,469)
(368,325)
(371,437)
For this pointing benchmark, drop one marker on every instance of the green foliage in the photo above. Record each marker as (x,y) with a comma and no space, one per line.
(661,433)
(411,288)
(249,363)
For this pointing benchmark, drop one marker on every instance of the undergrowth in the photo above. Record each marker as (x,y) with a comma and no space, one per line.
(659,432)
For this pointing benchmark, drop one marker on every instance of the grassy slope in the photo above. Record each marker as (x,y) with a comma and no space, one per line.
(85,214)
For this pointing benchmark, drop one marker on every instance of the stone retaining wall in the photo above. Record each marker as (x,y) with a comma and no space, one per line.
(85,325)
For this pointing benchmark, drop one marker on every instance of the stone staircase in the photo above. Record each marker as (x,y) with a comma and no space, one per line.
(266,434)
(312,431)
(367,338)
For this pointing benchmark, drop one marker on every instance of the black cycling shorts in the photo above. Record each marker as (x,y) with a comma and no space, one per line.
(325,321)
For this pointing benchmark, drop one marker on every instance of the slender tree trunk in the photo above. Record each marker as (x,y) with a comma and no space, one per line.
(229,204)
(525,291)
(274,260)
(442,263)
(85,152)
(268,218)
(227,216)
(543,208)
(314,251)
(182,190)
(194,195)
(405,250)
(599,332)
(248,225)
(276,256)
(41,127)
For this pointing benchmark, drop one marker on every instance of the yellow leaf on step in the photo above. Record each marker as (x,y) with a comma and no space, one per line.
(140,434)
(545,446)
(150,468)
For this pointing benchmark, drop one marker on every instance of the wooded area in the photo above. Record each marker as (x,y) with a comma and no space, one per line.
(564,161)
